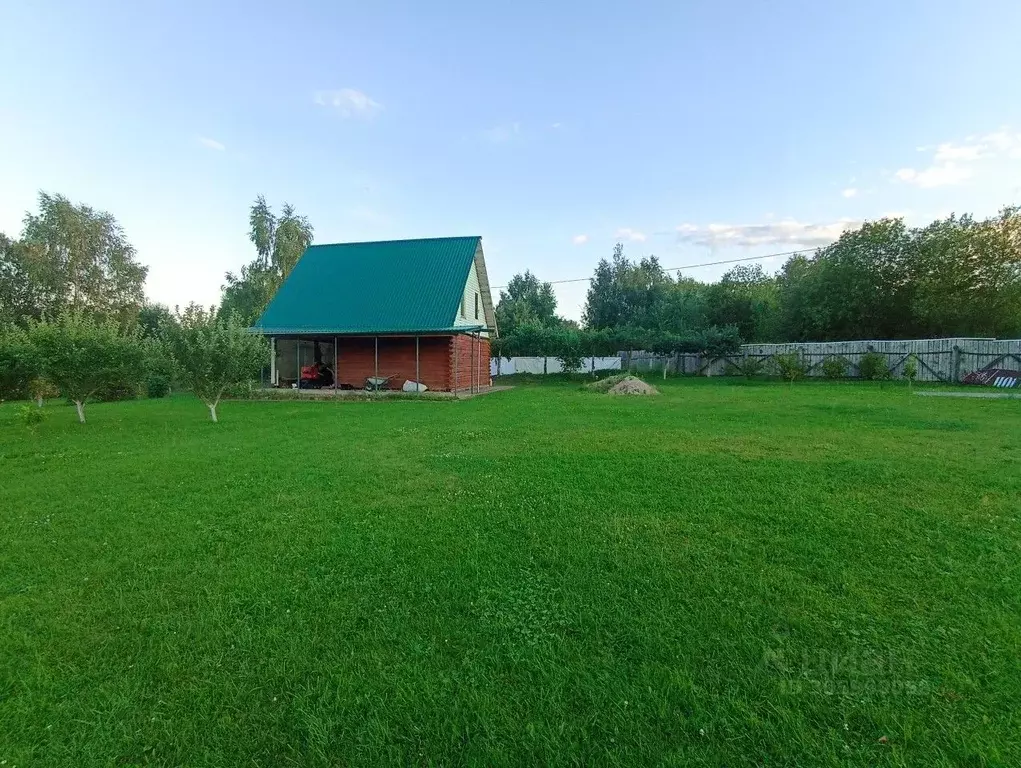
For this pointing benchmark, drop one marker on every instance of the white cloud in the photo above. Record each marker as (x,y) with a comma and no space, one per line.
(211,143)
(935,176)
(849,192)
(953,163)
(626,233)
(349,103)
(556,125)
(502,133)
(786,233)
(579,239)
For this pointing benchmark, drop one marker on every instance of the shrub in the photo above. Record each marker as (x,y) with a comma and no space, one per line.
(790,366)
(749,367)
(911,369)
(873,367)
(18,364)
(157,385)
(835,367)
(31,416)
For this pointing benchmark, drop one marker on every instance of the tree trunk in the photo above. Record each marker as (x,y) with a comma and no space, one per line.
(39,400)
(80,406)
(212,411)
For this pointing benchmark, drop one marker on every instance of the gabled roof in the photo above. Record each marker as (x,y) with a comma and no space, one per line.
(393,286)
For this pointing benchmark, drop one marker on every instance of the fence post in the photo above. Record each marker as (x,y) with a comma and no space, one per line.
(957,363)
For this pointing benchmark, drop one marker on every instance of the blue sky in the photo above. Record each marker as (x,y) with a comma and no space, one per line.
(694,131)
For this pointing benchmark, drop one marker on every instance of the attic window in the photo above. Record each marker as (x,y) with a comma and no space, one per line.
(476,306)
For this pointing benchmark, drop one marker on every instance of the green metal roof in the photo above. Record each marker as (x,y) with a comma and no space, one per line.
(394,286)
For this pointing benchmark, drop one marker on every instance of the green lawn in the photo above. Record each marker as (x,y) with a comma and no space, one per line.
(729,574)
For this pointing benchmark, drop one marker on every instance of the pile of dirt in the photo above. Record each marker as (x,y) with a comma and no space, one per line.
(604,384)
(629,385)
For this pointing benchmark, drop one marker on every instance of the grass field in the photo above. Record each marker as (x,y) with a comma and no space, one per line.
(728,574)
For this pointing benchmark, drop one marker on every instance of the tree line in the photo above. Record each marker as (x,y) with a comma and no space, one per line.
(74,320)
(958,276)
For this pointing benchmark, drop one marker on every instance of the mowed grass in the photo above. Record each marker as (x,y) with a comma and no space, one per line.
(728,574)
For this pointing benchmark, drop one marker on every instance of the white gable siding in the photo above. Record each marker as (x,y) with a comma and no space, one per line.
(466,309)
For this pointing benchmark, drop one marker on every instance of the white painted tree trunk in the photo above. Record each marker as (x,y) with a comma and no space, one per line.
(39,400)
(212,411)
(80,406)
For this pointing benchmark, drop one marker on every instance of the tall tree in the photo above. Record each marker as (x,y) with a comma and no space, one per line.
(745,297)
(968,276)
(623,292)
(279,242)
(79,260)
(526,300)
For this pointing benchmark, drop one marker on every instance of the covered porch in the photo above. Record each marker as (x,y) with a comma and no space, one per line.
(440,362)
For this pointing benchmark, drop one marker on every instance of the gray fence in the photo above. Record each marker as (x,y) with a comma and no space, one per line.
(938,359)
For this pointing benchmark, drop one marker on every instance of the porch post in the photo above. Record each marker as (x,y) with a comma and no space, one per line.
(471,377)
(273,361)
(418,370)
(336,366)
(375,387)
(297,361)
(454,387)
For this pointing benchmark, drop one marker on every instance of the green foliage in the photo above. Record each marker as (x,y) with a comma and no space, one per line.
(746,298)
(279,242)
(79,260)
(623,292)
(215,354)
(749,367)
(873,367)
(31,416)
(156,321)
(526,300)
(955,277)
(835,367)
(157,385)
(790,366)
(19,363)
(84,356)
(569,344)
(911,369)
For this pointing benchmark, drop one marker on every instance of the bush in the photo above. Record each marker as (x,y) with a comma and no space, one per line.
(790,366)
(31,416)
(157,385)
(835,367)
(873,367)
(911,369)
(749,367)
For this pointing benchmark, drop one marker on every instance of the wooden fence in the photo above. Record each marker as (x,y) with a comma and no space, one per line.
(938,359)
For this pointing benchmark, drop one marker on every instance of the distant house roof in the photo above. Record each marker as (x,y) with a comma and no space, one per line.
(394,286)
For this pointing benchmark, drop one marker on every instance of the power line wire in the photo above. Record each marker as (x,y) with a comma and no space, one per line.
(692,266)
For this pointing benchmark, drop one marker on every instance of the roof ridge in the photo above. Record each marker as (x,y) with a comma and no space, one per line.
(399,240)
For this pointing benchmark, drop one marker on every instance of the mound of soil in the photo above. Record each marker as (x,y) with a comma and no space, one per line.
(632,386)
(604,384)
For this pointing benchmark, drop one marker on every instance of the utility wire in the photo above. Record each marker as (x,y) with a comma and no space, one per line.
(692,266)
